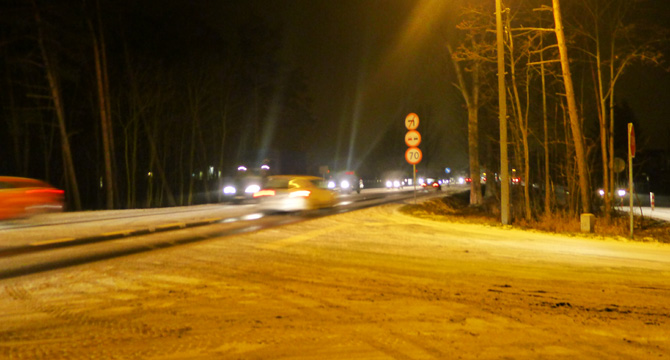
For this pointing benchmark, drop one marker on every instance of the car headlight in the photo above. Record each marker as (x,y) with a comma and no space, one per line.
(389,183)
(331,184)
(344,184)
(396,183)
(252,189)
(229,190)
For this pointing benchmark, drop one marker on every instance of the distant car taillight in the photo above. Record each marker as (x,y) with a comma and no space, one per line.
(45,191)
(300,193)
(264,192)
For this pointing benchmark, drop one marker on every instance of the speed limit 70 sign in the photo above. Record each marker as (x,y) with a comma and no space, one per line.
(413,155)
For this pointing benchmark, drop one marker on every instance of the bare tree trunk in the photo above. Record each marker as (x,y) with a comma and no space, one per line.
(194,104)
(547,183)
(13,124)
(108,103)
(472,104)
(575,123)
(182,185)
(151,137)
(602,117)
(70,174)
(569,171)
(473,149)
(104,119)
(191,167)
(610,166)
(522,122)
(203,153)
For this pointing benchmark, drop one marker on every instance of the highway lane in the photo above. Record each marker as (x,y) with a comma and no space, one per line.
(49,227)
(368,284)
(69,239)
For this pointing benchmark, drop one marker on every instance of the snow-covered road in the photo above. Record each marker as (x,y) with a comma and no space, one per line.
(369,284)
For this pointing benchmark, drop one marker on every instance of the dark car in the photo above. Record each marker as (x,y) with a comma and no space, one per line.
(241,188)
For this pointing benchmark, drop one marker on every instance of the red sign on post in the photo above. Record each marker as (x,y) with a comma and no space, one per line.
(631,141)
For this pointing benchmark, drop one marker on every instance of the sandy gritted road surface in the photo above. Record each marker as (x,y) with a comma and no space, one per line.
(369,284)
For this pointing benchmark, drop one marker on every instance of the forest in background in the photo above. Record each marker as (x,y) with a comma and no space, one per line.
(122,120)
(96,101)
(567,123)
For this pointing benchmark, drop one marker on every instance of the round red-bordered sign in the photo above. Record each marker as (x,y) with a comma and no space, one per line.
(413,155)
(412,138)
(411,121)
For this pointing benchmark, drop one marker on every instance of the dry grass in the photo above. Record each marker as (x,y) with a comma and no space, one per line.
(456,208)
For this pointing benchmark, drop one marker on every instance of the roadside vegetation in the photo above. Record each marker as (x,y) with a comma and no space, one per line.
(457,208)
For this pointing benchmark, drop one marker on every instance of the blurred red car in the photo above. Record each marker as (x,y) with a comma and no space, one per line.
(23,197)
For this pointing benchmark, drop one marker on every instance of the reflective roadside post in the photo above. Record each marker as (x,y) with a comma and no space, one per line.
(652,201)
(631,155)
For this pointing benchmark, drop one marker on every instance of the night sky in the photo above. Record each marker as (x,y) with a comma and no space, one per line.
(366,64)
(370,62)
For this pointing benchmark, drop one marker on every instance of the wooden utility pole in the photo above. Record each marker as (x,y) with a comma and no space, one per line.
(502,103)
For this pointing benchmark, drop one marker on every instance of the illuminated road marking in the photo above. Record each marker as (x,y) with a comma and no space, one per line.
(55,241)
(179,225)
(115,233)
(302,237)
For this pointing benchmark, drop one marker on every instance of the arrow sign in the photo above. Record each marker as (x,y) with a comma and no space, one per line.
(412,138)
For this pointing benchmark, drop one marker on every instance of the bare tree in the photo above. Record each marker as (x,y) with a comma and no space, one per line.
(575,121)
(612,45)
(54,87)
(521,110)
(474,51)
(102,80)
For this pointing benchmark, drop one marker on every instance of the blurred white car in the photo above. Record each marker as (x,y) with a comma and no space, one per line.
(394,184)
(288,193)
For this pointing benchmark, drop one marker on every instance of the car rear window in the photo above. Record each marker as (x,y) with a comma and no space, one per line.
(319,183)
(277,184)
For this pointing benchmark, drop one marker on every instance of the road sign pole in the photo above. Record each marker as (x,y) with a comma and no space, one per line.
(412,139)
(414,181)
(631,154)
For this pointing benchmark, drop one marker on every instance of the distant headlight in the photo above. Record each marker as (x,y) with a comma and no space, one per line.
(344,184)
(252,189)
(396,183)
(229,190)
(331,184)
(621,192)
(389,183)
